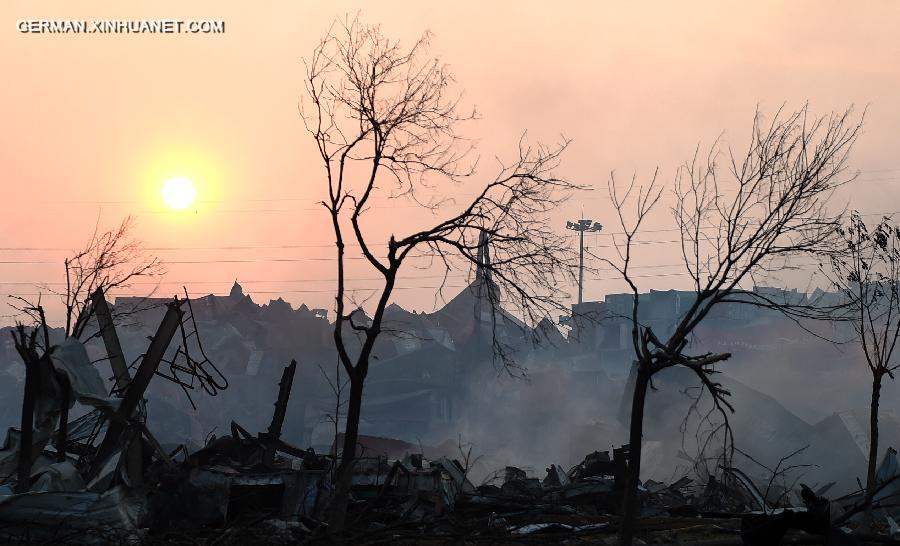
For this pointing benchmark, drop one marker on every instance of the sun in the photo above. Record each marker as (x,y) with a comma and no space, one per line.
(179,193)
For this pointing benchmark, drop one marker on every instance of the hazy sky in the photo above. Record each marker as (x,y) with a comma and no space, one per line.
(93,124)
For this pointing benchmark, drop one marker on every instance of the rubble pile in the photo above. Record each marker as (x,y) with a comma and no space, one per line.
(257,489)
(86,467)
(104,478)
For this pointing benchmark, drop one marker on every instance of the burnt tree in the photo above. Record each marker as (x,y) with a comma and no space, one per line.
(110,259)
(741,215)
(385,123)
(867,274)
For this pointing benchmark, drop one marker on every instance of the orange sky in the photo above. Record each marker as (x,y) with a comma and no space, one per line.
(93,124)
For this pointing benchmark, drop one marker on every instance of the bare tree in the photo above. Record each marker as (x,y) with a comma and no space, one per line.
(867,275)
(782,470)
(111,259)
(738,221)
(385,122)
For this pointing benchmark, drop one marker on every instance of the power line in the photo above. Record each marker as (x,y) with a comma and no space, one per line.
(391,206)
(331,245)
(285,260)
(168,248)
(243,282)
(310,291)
(366,289)
(229,261)
(261,247)
(331,291)
(328,279)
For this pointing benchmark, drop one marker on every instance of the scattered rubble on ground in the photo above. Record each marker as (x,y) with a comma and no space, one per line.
(103,477)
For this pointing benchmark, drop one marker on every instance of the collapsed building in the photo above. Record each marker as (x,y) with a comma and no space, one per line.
(433,396)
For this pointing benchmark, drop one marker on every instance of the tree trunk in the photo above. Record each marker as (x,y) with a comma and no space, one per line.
(338,508)
(873,449)
(62,434)
(26,441)
(629,497)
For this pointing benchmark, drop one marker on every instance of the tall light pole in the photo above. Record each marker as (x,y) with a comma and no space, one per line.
(582,226)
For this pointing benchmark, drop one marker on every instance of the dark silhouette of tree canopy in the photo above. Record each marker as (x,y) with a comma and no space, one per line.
(109,260)
(741,215)
(385,123)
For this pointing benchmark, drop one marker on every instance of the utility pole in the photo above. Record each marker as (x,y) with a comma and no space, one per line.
(582,226)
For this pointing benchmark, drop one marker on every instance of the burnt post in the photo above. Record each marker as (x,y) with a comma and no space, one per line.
(62,435)
(26,439)
(284,393)
(120,371)
(136,388)
(26,346)
(111,341)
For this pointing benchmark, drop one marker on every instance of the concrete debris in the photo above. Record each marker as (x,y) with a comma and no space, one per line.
(119,473)
(541,528)
(71,358)
(59,477)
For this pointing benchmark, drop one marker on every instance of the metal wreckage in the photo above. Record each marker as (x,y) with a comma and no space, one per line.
(104,478)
